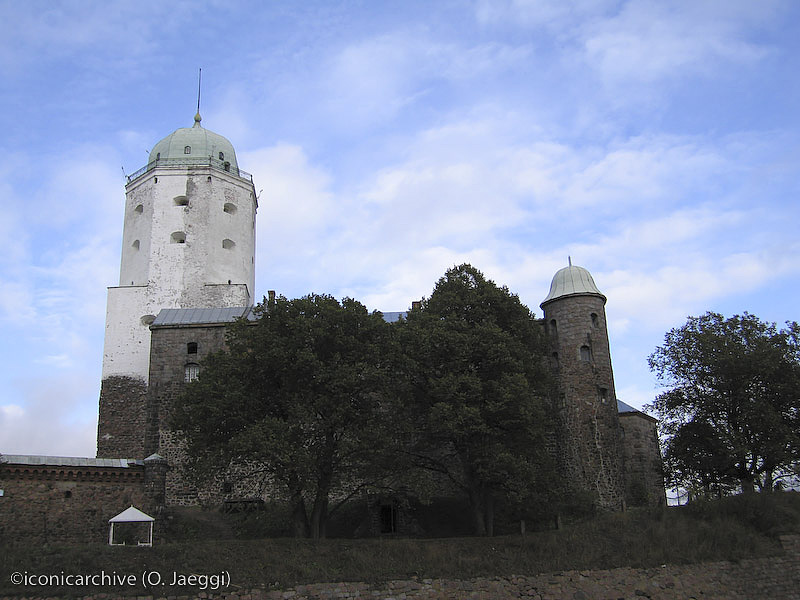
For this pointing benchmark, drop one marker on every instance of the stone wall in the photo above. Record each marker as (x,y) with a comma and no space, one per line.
(122,418)
(62,503)
(644,474)
(776,578)
(169,356)
(588,440)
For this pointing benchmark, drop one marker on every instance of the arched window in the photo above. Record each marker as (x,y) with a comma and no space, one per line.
(229,208)
(139,209)
(191,372)
(586,354)
(228,244)
(135,244)
(222,156)
(553,327)
(187,149)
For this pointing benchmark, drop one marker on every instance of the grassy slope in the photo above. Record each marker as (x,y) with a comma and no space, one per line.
(731,529)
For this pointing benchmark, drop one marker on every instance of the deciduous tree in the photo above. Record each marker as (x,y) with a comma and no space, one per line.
(731,411)
(296,398)
(479,385)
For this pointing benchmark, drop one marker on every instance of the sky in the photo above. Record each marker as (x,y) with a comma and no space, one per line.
(656,143)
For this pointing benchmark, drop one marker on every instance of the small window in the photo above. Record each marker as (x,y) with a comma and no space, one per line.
(227,487)
(187,149)
(135,244)
(147,320)
(139,209)
(554,360)
(227,166)
(229,208)
(191,348)
(603,394)
(191,372)
(181,201)
(158,156)
(178,238)
(68,494)
(228,244)
(222,156)
(553,327)
(594,319)
(155,179)
(209,179)
(586,354)
(388,518)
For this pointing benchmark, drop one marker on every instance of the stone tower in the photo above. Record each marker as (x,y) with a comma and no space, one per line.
(589,436)
(188,242)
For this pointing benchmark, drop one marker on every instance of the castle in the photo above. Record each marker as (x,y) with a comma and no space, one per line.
(188,270)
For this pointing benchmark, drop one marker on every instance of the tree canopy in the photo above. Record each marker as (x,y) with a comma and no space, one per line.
(478,388)
(294,399)
(731,412)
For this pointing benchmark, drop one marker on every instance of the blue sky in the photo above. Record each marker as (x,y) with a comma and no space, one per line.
(655,142)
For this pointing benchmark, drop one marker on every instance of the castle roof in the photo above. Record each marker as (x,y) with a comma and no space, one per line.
(34,460)
(572,281)
(201,142)
(201,316)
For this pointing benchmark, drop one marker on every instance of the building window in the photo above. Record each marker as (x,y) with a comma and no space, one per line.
(191,372)
(554,360)
(228,244)
(181,201)
(227,487)
(594,319)
(158,156)
(178,238)
(191,348)
(187,150)
(586,354)
(147,320)
(139,209)
(222,156)
(603,393)
(553,327)
(135,244)
(229,208)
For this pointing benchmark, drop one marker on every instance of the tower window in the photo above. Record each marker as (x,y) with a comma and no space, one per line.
(594,319)
(135,244)
(147,320)
(191,348)
(191,372)
(553,327)
(229,208)
(222,156)
(187,149)
(158,156)
(181,201)
(228,244)
(139,209)
(603,394)
(586,354)
(178,238)
(554,360)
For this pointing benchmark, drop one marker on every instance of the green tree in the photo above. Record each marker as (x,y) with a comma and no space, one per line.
(295,399)
(731,412)
(478,385)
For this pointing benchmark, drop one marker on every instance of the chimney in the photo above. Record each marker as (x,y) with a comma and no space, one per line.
(416,305)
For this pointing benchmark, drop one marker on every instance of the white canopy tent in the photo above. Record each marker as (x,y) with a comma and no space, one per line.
(131,515)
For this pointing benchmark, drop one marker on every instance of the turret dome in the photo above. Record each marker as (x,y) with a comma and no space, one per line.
(572,281)
(193,144)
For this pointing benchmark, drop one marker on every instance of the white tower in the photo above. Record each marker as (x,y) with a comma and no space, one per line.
(188,242)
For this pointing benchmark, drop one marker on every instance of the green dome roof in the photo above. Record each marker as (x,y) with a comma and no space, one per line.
(201,144)
(572,281)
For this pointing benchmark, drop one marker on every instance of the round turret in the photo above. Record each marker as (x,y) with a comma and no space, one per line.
(194,142)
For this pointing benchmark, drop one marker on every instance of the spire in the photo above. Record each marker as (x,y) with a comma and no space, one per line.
(197,117)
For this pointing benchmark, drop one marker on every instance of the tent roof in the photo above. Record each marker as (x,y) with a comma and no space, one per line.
(131,515)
